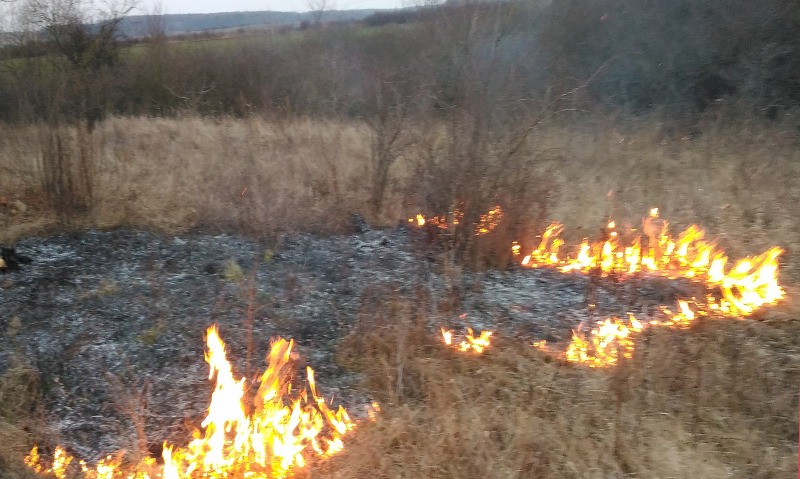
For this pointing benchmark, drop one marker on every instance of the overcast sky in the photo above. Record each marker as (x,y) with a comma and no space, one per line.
(213,6)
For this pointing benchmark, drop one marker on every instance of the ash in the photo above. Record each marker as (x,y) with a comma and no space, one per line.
(114,321)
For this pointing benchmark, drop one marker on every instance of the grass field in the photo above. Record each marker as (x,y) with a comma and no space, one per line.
(740,182)
(717,400)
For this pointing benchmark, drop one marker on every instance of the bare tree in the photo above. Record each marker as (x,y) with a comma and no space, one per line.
(155,24)
(85,36)
(318,8)
(83,44)
(386,115)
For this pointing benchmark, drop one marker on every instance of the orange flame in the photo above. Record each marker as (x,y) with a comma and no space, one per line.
(470,343)
(741,290)
(613,338)
(486,223)
(750,284)
(489,221)
(282,432)
(605,343)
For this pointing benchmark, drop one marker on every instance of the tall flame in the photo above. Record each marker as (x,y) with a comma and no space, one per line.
(282,432)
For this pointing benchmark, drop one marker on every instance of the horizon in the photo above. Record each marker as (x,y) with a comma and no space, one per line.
(181,7)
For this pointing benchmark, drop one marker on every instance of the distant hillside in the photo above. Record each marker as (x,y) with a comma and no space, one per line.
(174,24)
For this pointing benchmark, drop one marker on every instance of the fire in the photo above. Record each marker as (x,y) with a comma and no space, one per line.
(486,223)
(750,284)
(447,337)
(373,410)
(470,343)
(280,432)
(612,338)
(61,461)
(735,291)
(745,287)
(609,340)
(489,221)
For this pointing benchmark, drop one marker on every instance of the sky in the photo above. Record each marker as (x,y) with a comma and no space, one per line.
(214,6)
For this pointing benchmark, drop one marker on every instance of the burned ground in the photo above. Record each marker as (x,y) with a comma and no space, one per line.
(108,318)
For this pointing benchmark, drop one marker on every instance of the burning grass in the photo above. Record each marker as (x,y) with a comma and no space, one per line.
(476,344)
(738,291)
(713,400)
(718,399)
(679,404)
(270,436)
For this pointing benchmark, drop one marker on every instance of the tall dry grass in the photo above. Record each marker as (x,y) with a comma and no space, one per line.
(719,400)
(739,181)
(252,176)
(19,418)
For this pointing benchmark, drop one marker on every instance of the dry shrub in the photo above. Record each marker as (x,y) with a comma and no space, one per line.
(389,334)
(467,168)
(719,400)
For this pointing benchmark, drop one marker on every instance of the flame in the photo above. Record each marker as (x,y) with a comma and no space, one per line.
(58,469)
(470,343)
(748,285)
(489,221)
(486,223)
(447,337)
(604,345)
(372,411)
(613,338)
(282,432)
(736,291)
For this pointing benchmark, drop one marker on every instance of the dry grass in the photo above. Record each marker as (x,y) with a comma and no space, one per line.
(719,400)
(252,176)
(257,176)
(18,417)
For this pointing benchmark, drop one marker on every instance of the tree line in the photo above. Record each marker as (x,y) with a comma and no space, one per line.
(676,56)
